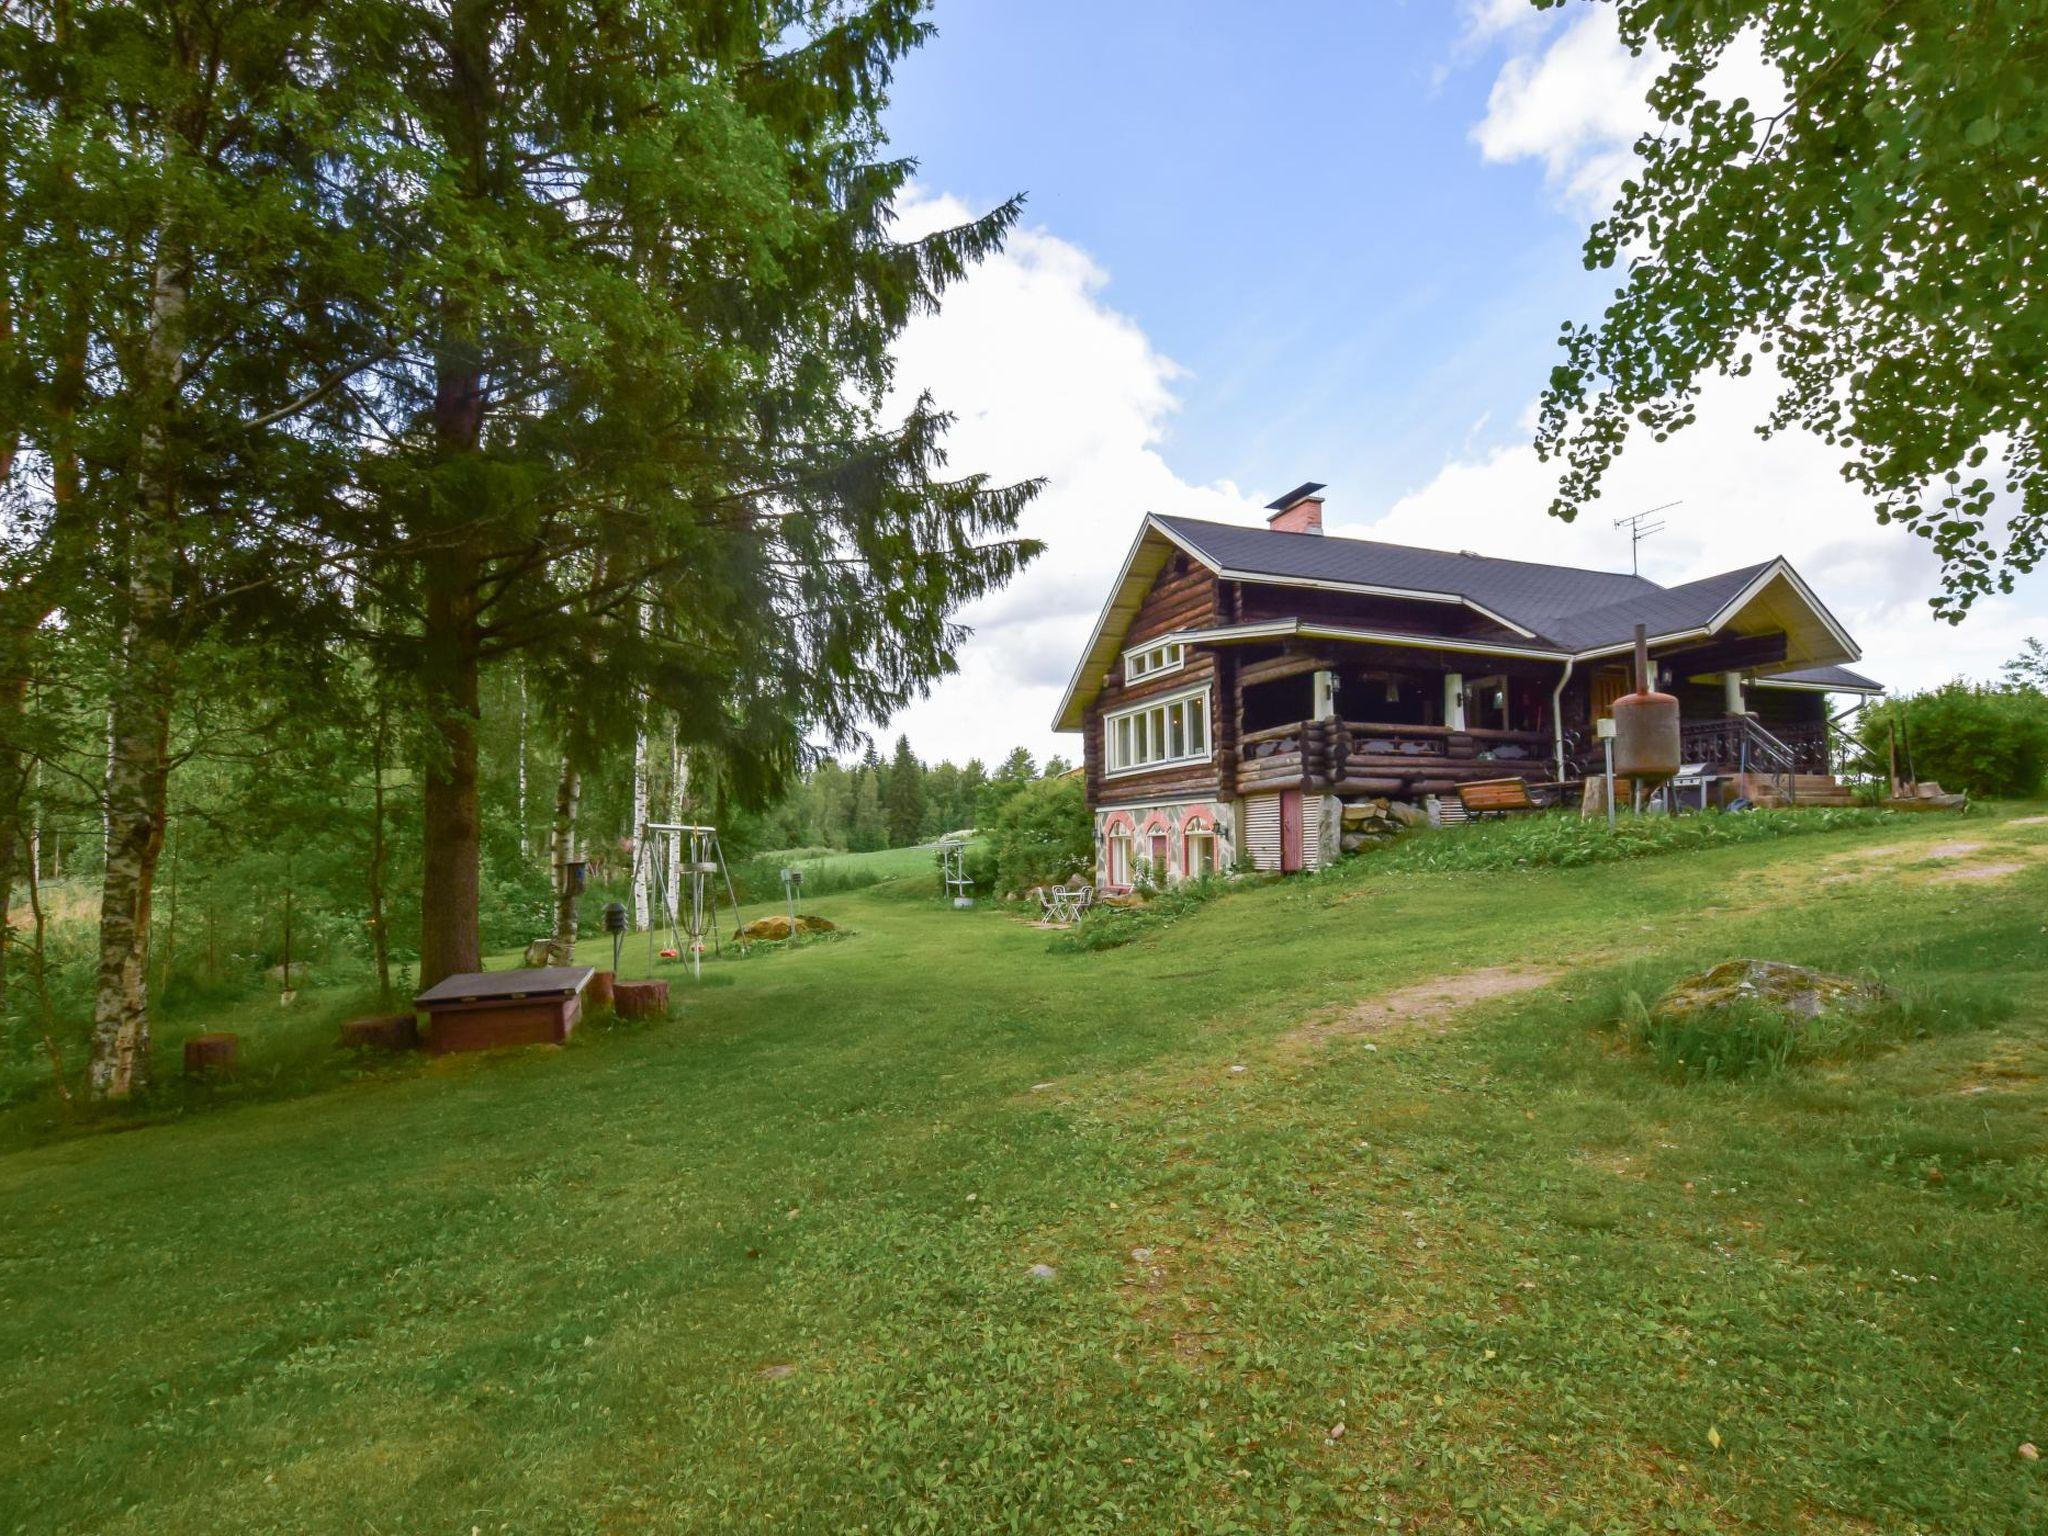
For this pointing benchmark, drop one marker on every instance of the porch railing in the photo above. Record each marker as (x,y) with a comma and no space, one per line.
(1733,740)
(1383,757)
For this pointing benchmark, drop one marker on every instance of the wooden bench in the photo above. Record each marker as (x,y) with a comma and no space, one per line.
(1495,797)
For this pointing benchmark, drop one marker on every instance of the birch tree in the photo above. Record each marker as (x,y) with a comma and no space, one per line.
(1874,235)
(172,258)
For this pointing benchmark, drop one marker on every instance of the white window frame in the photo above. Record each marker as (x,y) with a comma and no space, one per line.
(1126,732)
(1154,660)
(1117,855)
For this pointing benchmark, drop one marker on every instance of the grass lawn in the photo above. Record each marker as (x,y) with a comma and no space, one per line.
(770,1266)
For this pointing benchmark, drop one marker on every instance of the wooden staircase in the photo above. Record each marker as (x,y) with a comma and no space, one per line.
(1808,789)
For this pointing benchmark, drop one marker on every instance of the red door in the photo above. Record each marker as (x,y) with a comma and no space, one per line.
(1290,830)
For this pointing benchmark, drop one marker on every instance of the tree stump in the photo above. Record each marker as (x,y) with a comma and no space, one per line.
(599,993)
(383,1032)
(640,999)
(210,1053)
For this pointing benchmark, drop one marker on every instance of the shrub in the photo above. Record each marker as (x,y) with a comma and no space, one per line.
(1989,741)
(1042,834)
(1112,927)
(1565,840)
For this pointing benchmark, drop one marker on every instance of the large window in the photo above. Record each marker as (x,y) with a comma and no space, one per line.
(1174,730)
(1154,660)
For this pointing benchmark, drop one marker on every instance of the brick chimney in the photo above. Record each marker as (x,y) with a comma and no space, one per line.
(1299,511)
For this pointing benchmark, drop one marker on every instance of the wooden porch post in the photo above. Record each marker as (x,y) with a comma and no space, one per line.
(1454,700)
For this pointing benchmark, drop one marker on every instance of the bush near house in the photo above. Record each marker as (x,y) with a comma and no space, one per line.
(1043,834)
(1989,741)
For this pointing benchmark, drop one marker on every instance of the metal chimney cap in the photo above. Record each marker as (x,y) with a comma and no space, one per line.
(1301,492)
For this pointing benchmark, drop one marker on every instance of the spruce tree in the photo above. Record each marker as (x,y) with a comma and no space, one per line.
(648,288)
(906,795)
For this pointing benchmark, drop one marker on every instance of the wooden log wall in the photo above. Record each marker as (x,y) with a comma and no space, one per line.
(1184,596)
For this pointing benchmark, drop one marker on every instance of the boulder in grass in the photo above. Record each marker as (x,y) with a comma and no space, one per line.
(1796,991)
(382,1032)
(206,1055)
(640,999)
(777,927)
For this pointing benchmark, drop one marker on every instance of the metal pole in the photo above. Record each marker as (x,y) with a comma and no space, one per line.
(1608,743)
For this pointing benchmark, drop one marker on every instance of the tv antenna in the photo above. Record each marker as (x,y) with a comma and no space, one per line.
(1640,528)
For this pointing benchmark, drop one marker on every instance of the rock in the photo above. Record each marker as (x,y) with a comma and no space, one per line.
(1337,1430)
(2029,1452)
(770,929)
(776,1372)
(1043,1272)
(1236,1069)
(546,952)
(1794,990)
(1141,1255)
(1408,815)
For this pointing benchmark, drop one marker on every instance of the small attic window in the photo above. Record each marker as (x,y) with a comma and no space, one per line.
(1153,661)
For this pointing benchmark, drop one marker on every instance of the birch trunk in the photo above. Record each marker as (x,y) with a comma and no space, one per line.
(380,935)
(139,714)
(678,794)
(568,798)
(643,846)
(525,824)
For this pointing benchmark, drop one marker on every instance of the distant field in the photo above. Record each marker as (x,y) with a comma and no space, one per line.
(828,874)
(1334,1204)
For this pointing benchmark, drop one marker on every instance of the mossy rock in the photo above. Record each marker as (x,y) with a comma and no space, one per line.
(772,929)
(1796,991)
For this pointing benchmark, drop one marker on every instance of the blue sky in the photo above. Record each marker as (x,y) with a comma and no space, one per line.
(1291,206)
(1266,244)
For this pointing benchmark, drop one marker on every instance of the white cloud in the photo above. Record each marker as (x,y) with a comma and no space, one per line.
(1742,499)
(1046,380)
(1574,97)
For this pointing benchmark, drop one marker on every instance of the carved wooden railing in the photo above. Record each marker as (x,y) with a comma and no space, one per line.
(1740,743)
(1381,757)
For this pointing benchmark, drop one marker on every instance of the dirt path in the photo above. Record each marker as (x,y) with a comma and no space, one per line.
(1425,1004)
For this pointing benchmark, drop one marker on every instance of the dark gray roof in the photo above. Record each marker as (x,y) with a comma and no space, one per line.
(1563,606)
(1666,610)
(1826,677)
(1532,595)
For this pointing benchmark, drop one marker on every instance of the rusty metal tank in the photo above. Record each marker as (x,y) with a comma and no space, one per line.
(1645,737)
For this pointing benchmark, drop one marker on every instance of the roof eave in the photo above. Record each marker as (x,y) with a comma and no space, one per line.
(1073,710)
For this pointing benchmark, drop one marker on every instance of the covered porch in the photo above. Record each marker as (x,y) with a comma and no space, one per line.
(1367,720)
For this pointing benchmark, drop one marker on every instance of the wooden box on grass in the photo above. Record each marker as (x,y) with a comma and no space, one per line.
(478,1010)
